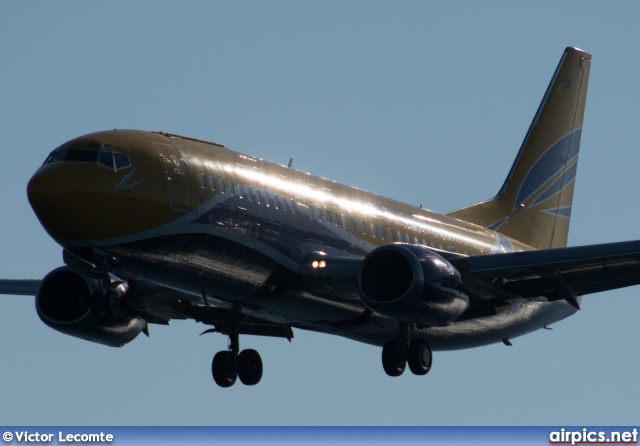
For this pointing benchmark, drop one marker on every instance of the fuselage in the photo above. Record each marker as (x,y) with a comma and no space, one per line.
(235,230)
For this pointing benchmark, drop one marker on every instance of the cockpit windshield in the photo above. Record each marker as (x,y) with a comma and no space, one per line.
(107,158)
(73,155)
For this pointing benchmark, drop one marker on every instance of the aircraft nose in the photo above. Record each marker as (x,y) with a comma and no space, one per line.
(57,202)
(83,196)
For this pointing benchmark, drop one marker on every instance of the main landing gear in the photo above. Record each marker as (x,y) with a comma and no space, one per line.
(398,352)
(228,365)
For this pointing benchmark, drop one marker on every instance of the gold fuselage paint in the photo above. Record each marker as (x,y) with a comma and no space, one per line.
(86,203)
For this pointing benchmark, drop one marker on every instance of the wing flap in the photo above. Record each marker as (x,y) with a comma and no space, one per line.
(561,273)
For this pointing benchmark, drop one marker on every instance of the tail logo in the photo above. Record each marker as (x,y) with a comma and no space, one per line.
(558,165)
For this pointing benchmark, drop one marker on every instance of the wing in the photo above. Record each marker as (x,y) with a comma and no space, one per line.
(562,273)
(160,305)
(19,287)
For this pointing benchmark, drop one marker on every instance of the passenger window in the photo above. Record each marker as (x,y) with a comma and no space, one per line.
(327,216)
(407,238)
(212,183)
(232,189)
(106,159)
(240,190)
(391,236)
(222,188)
(284,204)
(203,183)
(399,236)
(249,193)
(373,230)
(415,241)
(319,214)
(352,223)
(363,227)
(258,197)
(344,221)
(122,160)
(293,206)
(276,201)
(335,218)
(383,235)
(267,199)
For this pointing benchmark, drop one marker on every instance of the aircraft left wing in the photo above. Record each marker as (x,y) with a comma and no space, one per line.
(561,273)
(19,287)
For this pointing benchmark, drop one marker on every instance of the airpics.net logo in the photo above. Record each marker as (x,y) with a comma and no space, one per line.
(586,436)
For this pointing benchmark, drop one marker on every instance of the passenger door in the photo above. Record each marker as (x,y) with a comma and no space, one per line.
(178,176)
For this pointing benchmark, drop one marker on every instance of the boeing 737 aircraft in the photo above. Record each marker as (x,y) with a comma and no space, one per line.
(156,226)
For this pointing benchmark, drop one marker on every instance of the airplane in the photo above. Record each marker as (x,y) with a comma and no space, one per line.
(156,226)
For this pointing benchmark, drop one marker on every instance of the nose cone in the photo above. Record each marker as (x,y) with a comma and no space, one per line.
(100,187)
(59,197)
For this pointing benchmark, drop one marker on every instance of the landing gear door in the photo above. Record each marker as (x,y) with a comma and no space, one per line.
(177,175)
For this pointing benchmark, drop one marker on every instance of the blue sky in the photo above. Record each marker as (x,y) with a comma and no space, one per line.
(426,102)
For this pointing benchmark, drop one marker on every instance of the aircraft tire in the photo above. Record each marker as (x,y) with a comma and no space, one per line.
(419,357)
(394,359)
(249,367)
(223,369)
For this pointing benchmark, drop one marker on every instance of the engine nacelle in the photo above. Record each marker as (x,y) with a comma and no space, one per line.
(412,284)
(74,304)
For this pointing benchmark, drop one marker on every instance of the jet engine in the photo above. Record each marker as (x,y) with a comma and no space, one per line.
(412,284)
(86,307)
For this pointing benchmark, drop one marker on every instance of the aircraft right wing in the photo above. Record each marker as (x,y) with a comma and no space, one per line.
(19,287)
(560,273)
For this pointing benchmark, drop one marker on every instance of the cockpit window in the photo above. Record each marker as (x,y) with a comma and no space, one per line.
(90,156)
(122,160)
(56,156)
(114,160)
(106,159)
(111,160)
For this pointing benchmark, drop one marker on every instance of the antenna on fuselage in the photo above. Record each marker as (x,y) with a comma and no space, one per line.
(290,163)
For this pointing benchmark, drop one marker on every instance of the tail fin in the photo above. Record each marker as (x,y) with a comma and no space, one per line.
(534,204)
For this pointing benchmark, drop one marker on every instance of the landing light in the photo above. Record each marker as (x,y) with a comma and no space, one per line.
(318,264)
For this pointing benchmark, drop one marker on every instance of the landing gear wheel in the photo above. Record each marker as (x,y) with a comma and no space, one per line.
(249,367)
(394,358)
(223,369)
(419,357)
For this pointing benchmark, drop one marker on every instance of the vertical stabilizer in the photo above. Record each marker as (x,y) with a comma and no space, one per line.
(534,203)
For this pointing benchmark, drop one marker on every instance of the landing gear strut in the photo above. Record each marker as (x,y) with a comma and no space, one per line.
(396,353)
(228,365)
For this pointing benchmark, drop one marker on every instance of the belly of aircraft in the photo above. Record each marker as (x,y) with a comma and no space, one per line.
(229,274)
